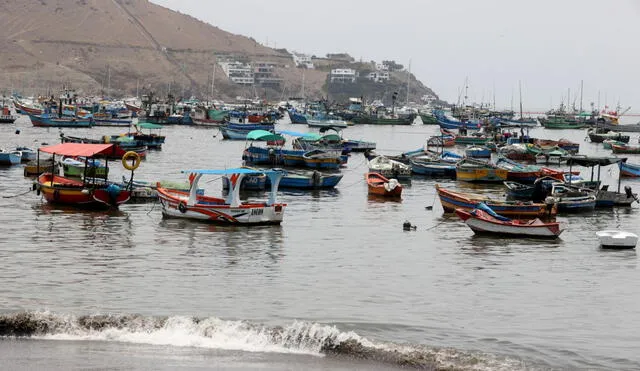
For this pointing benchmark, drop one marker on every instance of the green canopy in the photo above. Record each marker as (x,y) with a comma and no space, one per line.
(263,135)
(148,125)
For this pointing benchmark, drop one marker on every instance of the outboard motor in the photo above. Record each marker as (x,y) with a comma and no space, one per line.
(628,192)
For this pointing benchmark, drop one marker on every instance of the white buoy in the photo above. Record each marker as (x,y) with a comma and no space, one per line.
(613,239)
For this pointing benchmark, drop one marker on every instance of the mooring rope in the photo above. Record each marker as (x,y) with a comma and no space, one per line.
(20,194)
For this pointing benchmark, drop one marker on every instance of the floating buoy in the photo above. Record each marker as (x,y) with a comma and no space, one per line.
(17,131)
(407,226)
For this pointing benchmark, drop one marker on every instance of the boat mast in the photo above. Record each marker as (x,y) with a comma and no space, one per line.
(581,85)
(213,79)
(520,89)
(108,80)
(408,80)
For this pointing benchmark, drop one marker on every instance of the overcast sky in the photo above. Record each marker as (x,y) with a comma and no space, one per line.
(550,45)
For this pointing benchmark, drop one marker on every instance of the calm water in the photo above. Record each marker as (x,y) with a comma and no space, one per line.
(339,267)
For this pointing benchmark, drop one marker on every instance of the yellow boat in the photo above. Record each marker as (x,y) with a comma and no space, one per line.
(480,171)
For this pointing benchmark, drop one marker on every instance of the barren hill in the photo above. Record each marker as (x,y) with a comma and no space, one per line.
(123,45)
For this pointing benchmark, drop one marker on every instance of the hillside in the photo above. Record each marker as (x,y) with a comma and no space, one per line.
(130,45)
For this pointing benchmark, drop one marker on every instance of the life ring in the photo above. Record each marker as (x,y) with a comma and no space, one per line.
(131,155)
(182,207)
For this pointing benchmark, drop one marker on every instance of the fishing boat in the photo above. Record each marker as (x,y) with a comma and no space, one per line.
(573,199)
(472,170)
(604,196)
(629,170)
(121,144)
(53,121)
(625,149)
(452,200)
(378,185)
(34,168)
(519,191)
(435,168)
(6,117)
(598,135)
(614,239)
(326,123)
(230,210)
(79,167)
(152,138)
(441,141)
(565,144)
(608,143)
(471,139)
(484,220)
(478,152)
(28,154)
(518,172)
(320,159)
(90,192)
(353,145)
(9,158)
(428,118)
(389,168)
(555,157)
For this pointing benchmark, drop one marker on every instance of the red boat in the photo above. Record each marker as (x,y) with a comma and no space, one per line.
(94,192)
(381,186)
(484,220)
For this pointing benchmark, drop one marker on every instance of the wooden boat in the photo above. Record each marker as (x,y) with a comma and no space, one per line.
(150,139)
(519,191)
(451,201)
(471,170)
(121,144)
(483,220)
(432,167)
(380,186)
(34,168)
(319,159)
(190,205)
(327,123)
(300,179)
(555,157)
(572,199)
(629,170)
(600,135)
(441,141)
(53,121)
(83,167)
(565,144)
(471,139)
(478,152)
(8,158)
(27,154)
(607,143)
(625,149)
(518,172)
(95,192)
(26,108)
(389,168)
(428,119)
(613,239)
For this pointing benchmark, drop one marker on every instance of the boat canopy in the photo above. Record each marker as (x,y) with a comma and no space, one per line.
(232,171)
(263,135)
(587,161)
(308,136)
(148,125)
(78,149)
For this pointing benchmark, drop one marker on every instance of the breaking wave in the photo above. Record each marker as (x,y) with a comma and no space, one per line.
(298,338)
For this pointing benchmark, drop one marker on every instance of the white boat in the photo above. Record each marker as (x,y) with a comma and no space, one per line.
(230,210)
(389,168)
(613,239)
(329,123)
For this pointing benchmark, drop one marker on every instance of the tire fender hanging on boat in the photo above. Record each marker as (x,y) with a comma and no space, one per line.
(182,207)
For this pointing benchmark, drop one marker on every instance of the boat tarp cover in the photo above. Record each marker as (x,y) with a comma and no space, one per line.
(587,161)
(78,149)
(148,125)
(308,136)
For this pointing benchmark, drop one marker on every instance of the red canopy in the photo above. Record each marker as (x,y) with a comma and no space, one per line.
(78,149)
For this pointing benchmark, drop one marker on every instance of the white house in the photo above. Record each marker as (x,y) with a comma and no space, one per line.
(302,60)
(378,76)
(238,72)
(344,75)
(382,67)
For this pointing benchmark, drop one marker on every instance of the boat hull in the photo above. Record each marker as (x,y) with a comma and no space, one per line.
(174,205)
(481,226)
(617,240)
(64,191)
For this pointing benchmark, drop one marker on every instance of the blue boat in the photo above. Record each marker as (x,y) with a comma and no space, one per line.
(53,121)
(449,123)
(519,191)
(297,118)
(629,170)
(433,168)
(309,180)
(319,159)
(180,119)
(10,157)
(478,152)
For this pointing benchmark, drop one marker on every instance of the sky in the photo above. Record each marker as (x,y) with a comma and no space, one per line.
(546,46)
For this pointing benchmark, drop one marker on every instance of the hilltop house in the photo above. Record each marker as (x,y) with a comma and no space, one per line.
(344,75)
(302,60)
(238,72)
(378,76)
